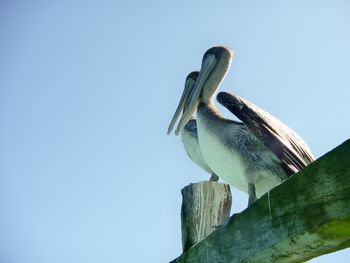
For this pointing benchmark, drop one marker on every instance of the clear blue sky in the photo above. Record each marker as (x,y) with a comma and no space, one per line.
(87,172)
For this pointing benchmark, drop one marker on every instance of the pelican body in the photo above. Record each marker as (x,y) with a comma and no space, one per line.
(236,155)
(189,138)
(254,155)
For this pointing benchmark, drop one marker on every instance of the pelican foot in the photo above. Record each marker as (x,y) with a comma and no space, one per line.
(214,178)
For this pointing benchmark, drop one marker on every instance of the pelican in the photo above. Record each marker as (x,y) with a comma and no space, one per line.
(254,155)
(188,134)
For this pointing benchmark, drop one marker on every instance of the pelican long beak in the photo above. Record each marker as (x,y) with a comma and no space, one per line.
(184,99)
(194,95)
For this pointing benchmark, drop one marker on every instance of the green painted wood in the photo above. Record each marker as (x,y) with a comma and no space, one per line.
(306,216)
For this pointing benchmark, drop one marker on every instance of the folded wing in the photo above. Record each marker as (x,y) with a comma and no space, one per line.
(276,136)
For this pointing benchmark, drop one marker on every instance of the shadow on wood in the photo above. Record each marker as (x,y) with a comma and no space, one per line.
(306,216)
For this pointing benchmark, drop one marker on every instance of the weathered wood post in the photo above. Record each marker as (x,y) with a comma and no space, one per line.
(205,206)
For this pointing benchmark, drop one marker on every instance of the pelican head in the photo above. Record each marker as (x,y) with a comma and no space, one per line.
(183,104)
(215,64)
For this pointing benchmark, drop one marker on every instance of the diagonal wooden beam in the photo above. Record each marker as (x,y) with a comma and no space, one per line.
(306,216)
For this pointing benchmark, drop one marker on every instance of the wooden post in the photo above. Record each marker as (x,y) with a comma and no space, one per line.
(205,206)
(306,216)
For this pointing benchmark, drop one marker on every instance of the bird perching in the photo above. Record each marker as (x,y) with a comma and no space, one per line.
(254,155)
(188,134)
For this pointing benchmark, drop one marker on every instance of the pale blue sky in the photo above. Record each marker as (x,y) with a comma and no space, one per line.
(88,173)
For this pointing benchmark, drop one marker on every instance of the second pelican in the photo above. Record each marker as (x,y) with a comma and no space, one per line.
(188,134)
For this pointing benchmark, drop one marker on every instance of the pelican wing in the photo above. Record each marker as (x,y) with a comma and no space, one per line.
(276,136)
(191,127)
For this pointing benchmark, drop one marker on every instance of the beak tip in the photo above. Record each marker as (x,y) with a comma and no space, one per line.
(170,128)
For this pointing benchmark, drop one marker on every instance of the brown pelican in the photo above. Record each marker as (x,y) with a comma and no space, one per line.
(188,134)
(254,155)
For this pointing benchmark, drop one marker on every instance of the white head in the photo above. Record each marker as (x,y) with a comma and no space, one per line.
(215,64)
